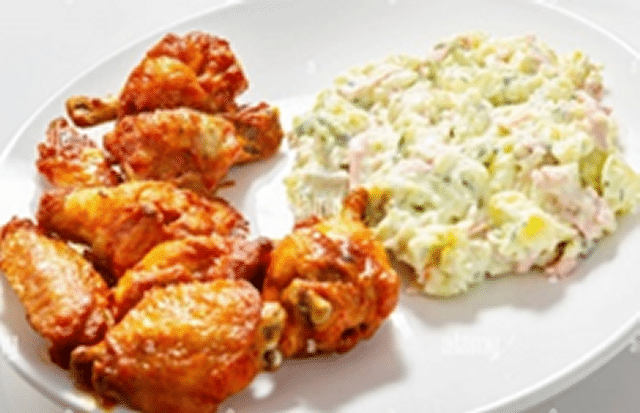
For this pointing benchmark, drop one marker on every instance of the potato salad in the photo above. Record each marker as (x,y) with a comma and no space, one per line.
(487,157)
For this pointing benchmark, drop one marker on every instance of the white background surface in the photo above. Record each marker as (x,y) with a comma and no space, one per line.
(46,44)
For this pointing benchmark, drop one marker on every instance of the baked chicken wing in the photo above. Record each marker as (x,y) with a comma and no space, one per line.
(183,348)
(66,300)
(69,159)
(334,281)
(191,148)
(194,258)
(122,223)
(197,70)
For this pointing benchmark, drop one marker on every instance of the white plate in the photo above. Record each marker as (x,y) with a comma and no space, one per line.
(506,345)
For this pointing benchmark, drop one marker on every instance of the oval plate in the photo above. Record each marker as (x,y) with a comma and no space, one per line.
(504,346)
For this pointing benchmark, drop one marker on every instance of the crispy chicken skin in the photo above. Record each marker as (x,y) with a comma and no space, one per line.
(122,223)
(69,159)
(194,258)
(259,128)
(193,149)
(66,300)
(189,148)
(334,281)
(197,70)
(182,349)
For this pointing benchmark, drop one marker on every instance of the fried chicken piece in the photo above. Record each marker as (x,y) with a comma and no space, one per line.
(66,300)
(183,348)
(194,258)
(259,128)
(69,159)
(122,223)
(189,148)
(197,70)
(334,281)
